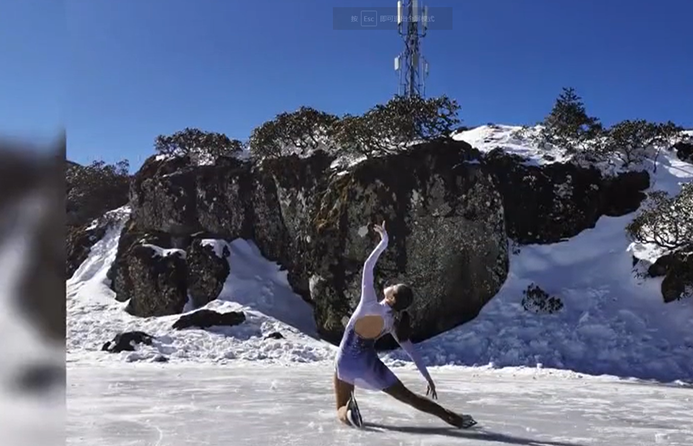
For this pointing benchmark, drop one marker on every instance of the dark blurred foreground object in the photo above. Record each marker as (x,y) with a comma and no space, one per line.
(32,206)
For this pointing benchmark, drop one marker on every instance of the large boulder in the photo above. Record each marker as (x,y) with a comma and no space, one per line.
(268,202)
(553,202)
(447,237)
(157,272)
(150,272)
(684,150)
(299,185)
(677,269)
(162,195)
(225,200)
(208,268)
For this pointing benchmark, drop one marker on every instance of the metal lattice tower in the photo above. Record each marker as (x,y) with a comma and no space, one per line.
(410,65)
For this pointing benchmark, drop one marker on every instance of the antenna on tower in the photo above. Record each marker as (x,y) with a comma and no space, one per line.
(411,66)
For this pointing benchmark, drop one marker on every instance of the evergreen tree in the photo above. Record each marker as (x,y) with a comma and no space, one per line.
(568,125)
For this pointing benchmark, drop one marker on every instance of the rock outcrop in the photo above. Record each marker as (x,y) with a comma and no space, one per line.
(677,270)
(447,237)
(684,150)
(85,203)
(207,271)
(269,203)
(149,272)
(553,202)
(79,241)
(449,213)
(444,216)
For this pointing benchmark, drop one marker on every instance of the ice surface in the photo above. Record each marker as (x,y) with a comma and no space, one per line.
(167,405)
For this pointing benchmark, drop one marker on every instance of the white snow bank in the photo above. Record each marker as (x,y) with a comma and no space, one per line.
(611,323)
(523,141)
(258,284)
(512,139)
(255,286)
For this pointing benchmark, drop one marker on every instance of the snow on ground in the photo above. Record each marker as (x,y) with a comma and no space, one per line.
(524,141)
(253,404)
(260,285)
(512,139)
(255,286)
(612,322)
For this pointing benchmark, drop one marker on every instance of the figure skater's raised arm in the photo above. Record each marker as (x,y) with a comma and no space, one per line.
(367,288)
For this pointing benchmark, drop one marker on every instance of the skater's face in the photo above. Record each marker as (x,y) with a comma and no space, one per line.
(389,295)
(398,297)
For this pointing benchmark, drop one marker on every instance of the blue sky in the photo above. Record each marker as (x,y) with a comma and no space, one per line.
(122,72)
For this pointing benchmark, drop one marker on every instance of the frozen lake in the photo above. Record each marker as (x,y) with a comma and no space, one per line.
(265,405)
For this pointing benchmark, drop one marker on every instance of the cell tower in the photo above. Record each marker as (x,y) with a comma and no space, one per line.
(411,66)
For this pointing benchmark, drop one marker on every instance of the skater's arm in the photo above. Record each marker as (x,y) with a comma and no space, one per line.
(409,347)
(401,331)
(367,289)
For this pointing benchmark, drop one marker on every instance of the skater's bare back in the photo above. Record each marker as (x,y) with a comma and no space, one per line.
(369,326)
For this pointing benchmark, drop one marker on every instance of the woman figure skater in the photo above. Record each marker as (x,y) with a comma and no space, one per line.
(357,362)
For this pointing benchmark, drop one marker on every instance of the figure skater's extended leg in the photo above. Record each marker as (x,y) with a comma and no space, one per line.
(406,396)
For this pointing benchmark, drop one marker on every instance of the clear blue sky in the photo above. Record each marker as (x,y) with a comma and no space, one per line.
(123,71)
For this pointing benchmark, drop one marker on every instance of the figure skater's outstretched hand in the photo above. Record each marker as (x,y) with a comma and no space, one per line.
(431,390)
(380,229)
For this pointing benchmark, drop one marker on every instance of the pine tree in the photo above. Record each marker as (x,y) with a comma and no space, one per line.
(568,125)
